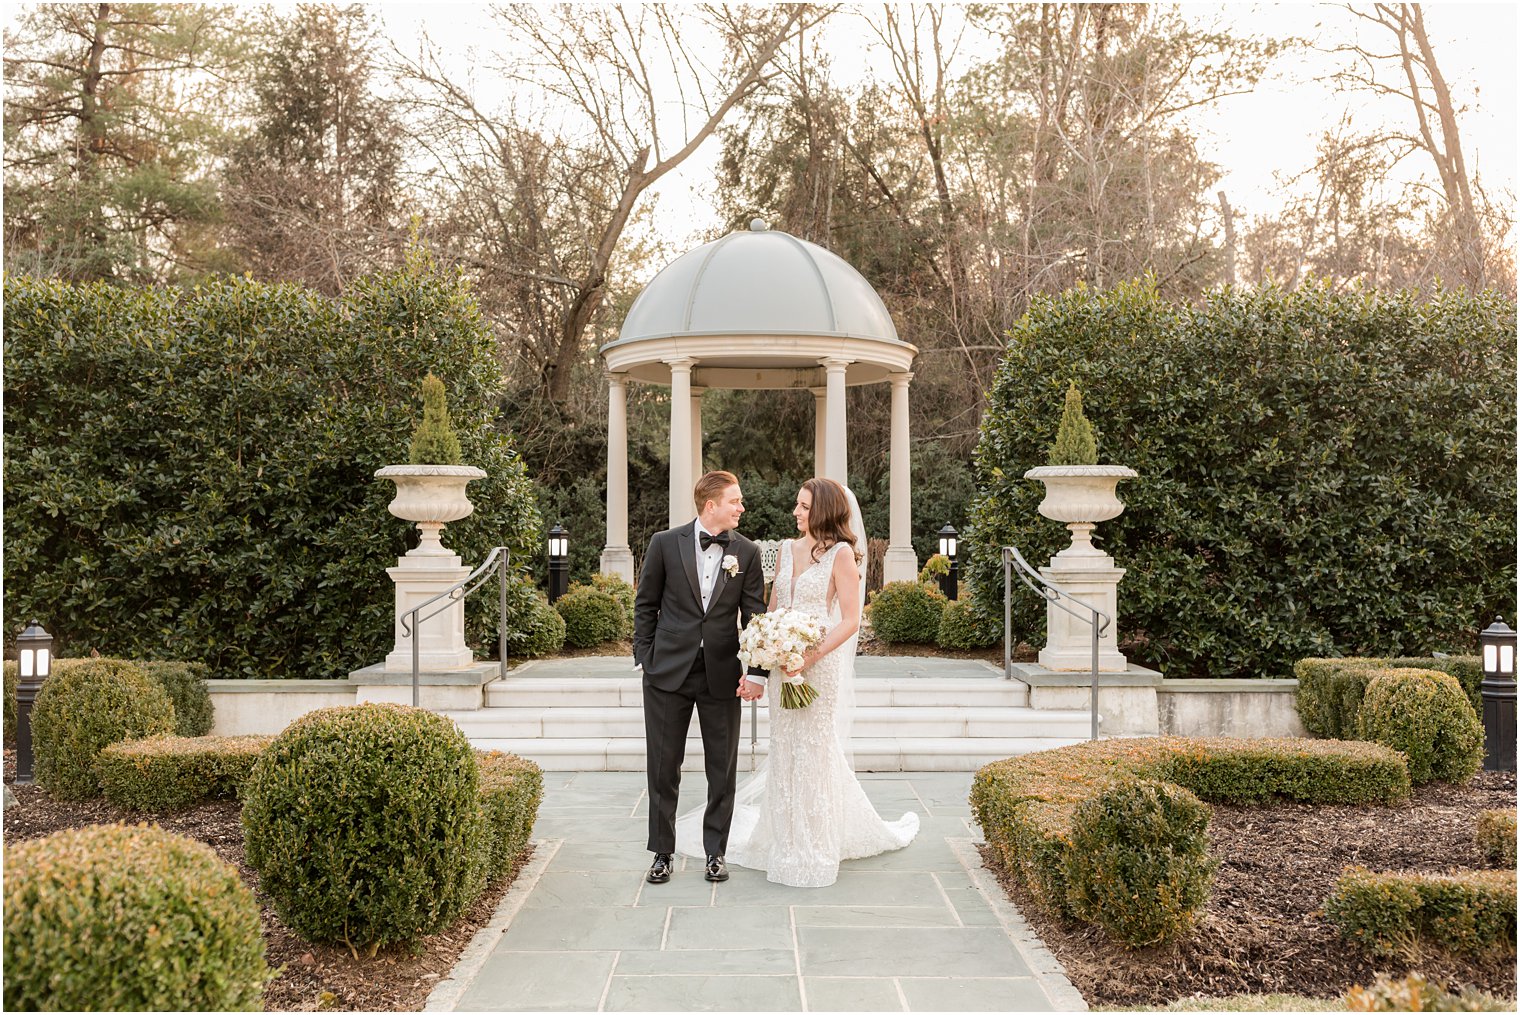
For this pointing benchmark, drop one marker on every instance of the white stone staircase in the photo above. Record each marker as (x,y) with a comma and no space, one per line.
(907,723)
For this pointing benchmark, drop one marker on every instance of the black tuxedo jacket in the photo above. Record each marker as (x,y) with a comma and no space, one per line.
(669,623)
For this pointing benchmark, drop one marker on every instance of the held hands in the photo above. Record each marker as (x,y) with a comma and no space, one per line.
(750,690)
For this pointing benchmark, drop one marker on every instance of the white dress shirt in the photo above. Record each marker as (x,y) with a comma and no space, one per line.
(708,561)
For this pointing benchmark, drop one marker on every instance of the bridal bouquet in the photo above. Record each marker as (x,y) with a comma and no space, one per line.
(777,641)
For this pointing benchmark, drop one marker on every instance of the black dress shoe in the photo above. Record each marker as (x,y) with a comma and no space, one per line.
(717,869)
(660,872)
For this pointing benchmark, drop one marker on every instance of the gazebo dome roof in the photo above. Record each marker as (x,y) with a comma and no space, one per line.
(758,282)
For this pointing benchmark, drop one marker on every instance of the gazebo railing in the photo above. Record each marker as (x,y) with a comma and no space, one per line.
(499,561)
(1014,562)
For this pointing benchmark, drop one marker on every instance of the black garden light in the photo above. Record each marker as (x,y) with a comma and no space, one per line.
(1498,689)
(35,651)
(949,583)
(559,561)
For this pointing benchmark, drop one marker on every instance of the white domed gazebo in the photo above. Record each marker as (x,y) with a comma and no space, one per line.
(756,309)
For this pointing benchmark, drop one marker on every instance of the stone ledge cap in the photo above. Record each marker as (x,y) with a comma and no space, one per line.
(392,471)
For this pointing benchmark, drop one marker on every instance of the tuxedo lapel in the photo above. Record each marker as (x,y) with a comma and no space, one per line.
(718,584)
(686,537)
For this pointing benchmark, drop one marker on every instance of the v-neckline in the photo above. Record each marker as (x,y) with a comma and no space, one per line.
(798,574)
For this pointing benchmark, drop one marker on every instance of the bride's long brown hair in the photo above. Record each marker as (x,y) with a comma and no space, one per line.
(829,517)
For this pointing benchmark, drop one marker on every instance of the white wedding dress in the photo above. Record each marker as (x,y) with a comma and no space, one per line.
(804,811)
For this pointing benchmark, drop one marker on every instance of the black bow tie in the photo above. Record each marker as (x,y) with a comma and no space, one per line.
(721,539)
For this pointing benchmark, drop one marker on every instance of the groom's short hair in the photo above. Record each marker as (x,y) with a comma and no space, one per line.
(711,487)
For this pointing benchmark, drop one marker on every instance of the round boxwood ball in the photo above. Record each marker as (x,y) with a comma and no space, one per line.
(88,704)
(128,918)
(592,616)
(365,826)
(908,612)
(1428,716)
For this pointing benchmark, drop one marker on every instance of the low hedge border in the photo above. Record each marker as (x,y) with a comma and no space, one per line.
(1391,914)
(1496,837)
(158,774)
(1026,805)
(511,788)
(1330,691)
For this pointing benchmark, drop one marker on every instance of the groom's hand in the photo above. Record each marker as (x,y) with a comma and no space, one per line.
(749,690)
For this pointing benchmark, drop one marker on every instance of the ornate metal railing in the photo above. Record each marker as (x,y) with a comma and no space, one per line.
(1051,593)
(499,561)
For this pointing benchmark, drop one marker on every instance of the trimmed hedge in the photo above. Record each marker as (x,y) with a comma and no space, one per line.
(216,501)
(1330,690)
(1316,468)
(185,684)
(1026,805)
(1426,716)
(169,773)
(365,825)
(592,617)
(1415,993)
(962,626)
(128,918)
(84,706)
(623,592)
(511,788)
(1389,914)
(1496,836)
(534,628)
(907,612)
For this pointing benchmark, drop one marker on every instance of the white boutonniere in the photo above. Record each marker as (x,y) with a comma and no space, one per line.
(731,565)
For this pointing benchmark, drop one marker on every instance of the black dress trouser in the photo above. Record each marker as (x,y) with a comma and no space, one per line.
(667,718)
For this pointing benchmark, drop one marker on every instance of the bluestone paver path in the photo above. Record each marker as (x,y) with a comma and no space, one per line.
(921,929)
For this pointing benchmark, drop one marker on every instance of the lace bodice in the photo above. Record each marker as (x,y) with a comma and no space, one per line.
(810,591)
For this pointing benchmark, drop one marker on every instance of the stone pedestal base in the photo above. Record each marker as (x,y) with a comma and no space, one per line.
(456,689)
(1127,700)
(418,578)
(618,560)
(899,565)
(1089,577)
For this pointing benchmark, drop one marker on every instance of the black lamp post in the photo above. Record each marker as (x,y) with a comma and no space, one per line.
(949,583)
(559,562)
(1498,688)
(35,649)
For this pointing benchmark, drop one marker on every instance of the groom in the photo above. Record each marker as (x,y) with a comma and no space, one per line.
(701,582)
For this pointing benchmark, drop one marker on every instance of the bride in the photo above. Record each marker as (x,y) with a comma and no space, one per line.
(804,811)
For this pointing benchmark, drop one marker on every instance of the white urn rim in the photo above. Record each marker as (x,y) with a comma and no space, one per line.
(462,471)
(1074,471)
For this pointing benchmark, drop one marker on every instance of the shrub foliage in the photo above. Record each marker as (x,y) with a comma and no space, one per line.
(963,627)
(623,592)
(1415,993)
(216,500)
(1389,914)
(1316,468)
(86,705)
(365,825)
(159,774)
(511,788)
(1427,717)
(1330,691)
(592,616)
(124,918)
(1496,837)
(185,683)
(908,612)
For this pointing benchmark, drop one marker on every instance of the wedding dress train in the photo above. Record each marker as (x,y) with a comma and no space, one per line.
(805,810)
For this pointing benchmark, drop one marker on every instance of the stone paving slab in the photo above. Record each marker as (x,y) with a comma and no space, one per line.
(921,929)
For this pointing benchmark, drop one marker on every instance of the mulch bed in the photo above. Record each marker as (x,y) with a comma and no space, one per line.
(1262,931)
(314,977)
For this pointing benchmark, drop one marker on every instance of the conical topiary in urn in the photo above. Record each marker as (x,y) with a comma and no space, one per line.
(1075,443)
(431,490)
(1079,491)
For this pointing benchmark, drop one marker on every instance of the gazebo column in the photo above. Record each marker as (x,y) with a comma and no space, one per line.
(820,428)
(835,466)
(681,478)
(617,556)
(901,563)
(696,435)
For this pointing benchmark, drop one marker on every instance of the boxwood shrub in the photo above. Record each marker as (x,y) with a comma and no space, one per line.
(185,684)
(1390,914)
(623,592)
(907,612)
(1415,993)
(84,706)
(128,918)
(1316,468)
(147,515)
(1427,717)
(962,626)
(160,774)
(511,788)
(365,824)
(1330,690)
(1496,836)
(1026,805)
(592,617)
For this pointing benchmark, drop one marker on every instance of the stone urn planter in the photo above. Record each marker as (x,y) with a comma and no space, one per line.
(1081,496)
(432,496)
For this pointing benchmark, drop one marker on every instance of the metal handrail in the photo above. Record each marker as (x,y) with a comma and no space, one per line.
(1051,593)
(499,560)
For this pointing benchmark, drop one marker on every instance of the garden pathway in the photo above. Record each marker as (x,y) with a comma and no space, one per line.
(921,929)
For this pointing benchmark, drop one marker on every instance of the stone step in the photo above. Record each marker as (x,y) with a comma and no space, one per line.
(870,754)
(528,691)
(871,721)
